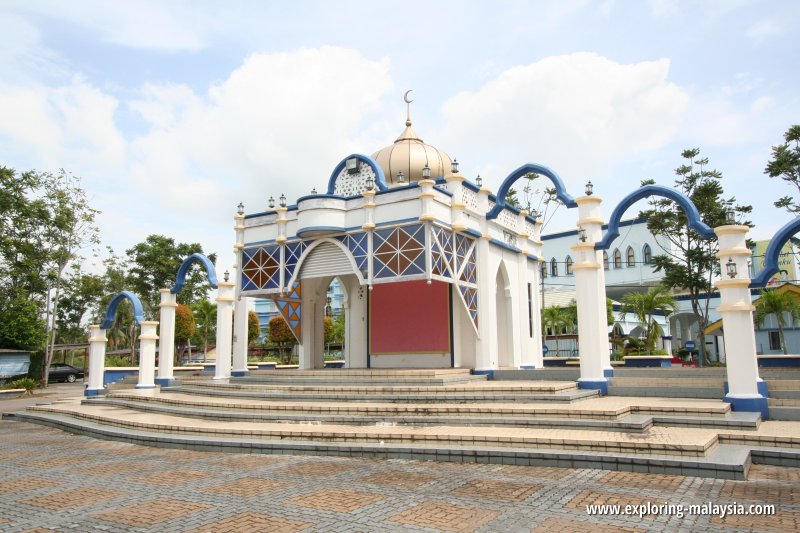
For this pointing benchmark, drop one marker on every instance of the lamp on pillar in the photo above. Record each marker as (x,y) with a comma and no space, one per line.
(370,183)
(426,172)
(730,267)
(271,202)
(329,308)
(282,200)
(582,234)
(454,166)
(589,188)
(400,177)
(240,208)
(479,182)
(314,190)
(730,216)
(226,276)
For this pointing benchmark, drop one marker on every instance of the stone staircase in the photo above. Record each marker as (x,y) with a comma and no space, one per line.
(446,415)
(784,393)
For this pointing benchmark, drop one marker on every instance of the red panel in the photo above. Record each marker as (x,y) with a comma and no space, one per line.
(410,317)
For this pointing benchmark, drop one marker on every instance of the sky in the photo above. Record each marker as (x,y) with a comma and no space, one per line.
(174,112)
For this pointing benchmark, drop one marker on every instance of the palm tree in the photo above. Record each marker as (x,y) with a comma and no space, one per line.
(779,304)
(556,319)
(205,316)
(644,306)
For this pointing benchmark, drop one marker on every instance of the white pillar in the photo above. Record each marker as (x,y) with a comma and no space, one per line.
(97,360)
(590,296)
(746,391)
(166,344)
(224,330)
(240,335)
(486,346)
(536,249)
(147,355)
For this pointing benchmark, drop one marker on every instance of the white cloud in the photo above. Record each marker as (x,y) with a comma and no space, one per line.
(764,30)
(578,113)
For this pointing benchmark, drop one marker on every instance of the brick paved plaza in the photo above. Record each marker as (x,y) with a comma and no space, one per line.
(52,480)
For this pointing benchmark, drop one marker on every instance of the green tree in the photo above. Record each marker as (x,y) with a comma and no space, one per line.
(281,336)
(20,325)
(644,307)
(154,264)
(556,320)
(781,305)
(205,315)
(81,296)
(785,164)
(338,329)
(253,327)
(689,261)
(535,196)
(184,329)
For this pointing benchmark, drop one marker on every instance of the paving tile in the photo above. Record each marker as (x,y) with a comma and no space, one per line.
(339,500)
(172,477)
(109,469)
(642,481)
(25,484)
(501,490)
(57,462)
(248,461)
(151,512)
(317,468)
(72,499)
(399,479)
(780,522)
(253,523)
(543,472)
(563,525)
(247,487)
(760,491)
(773,473)
(445,516)
(41,530)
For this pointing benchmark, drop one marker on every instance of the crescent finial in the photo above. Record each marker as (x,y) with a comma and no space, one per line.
(408,107)
(405,97)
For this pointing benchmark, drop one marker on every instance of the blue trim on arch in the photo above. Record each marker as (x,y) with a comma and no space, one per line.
(773,252)
(561,190)
(111,310)
(180,279)
(380,178)
(653,190)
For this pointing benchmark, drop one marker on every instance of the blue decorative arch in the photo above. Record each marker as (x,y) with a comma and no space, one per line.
(380,178)
(524,170)
(180,279)
(111,310)
(653,190)
(773,252)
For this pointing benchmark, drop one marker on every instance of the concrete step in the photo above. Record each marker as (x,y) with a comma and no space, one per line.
(785,394)
(694,442)
(671,372)
(333,377)
(567,396)
(667,382)
(777,402)
(783,384)
(543,374)
(668,392)
(779,374)
(723,462)
(784,412)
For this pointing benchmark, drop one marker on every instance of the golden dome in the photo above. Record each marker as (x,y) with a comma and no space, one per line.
(409,154)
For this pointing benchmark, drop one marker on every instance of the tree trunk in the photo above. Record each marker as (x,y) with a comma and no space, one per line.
(48,354)
(780,334)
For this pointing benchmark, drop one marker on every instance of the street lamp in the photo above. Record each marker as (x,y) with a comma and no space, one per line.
(589,188)
(730,266)
(426,172)
(226,276)
(240,208)
(454,166)
(271,202)
(370,183)
(730,216)
(282,200)
(479,181)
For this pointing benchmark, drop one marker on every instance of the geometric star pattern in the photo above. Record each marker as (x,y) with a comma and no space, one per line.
(358,244)
(292,253)
(291,308)
(399,251)
(261,267)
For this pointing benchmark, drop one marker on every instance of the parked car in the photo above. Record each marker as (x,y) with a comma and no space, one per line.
(63,372)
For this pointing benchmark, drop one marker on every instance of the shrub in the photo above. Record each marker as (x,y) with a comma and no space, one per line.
(25,383)
(117,360)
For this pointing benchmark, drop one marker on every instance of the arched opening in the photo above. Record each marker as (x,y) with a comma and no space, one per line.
(505,355)
(630,257)
(553,267)
(617,259)
(568,265)
(605,260)
(335,324)
(647,254)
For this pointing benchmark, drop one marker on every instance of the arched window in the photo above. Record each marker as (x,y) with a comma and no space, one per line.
(617,259)
(568,263)
(605,260)
(630,259)
(543,269)
(553,267)
(646,254)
